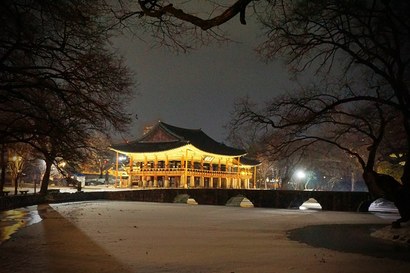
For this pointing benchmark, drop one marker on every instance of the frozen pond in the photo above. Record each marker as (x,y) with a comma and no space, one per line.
(13,220)
(114,236)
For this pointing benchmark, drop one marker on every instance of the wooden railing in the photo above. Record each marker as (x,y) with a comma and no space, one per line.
(189,172)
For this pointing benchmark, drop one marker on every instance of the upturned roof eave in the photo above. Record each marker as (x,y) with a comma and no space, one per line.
(187,145)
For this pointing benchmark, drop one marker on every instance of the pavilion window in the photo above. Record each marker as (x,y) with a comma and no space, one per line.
(175,164)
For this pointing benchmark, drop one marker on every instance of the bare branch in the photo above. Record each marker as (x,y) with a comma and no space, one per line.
(152,8)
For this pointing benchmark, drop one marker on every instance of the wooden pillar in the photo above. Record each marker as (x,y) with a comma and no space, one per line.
(184,163)
(155,185)
(202,177)
(239,180)
(192,181)
(144,168)
(254,177)
(211,182)
(145,162)
(130,173)
(166,167)
(192,177)
(116,170)
(219,174)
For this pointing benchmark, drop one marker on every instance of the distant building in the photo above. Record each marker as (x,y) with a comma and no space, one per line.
(169,156)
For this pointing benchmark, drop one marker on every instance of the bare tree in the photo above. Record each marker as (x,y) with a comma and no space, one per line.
(292,124)
(59,82)
(372,35)
(18,157)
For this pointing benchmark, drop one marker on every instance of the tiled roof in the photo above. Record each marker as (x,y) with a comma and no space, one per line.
(249,161)
(173,137)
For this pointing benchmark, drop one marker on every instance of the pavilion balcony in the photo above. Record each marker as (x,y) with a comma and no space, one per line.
(190,172)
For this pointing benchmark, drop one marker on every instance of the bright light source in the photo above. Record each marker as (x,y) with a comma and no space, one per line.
(121,158)
(208,158)
(300,174)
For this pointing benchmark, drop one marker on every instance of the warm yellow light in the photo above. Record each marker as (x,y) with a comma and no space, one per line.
(16,158)
(208,158)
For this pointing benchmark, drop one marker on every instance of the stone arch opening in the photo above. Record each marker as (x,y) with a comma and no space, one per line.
(239,201)
(310,204)
(185,199)
(383,205)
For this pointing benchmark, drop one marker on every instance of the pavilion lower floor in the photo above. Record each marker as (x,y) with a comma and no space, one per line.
(186,179)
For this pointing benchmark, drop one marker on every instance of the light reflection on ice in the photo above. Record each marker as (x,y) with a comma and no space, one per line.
(13,220)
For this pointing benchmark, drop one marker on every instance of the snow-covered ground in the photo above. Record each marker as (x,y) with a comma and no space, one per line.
(114,236)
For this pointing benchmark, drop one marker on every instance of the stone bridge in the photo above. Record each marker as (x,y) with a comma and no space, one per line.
(336,201)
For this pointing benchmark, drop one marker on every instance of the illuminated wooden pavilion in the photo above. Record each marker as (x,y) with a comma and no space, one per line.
(168,156)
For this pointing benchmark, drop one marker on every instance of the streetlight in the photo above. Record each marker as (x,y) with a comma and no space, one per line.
(300,174)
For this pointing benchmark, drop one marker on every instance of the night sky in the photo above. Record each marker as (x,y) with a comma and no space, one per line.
(198,89)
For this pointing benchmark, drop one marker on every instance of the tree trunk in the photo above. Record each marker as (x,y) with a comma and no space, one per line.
(3,167)
(16,183)
(402,93)
(405,179)
(381,185)
(385,186)
(353,181)
(46,177)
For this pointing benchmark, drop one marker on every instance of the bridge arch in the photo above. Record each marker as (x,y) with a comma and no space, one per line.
(310,204)
(382,205)
(239,201)
(184,199)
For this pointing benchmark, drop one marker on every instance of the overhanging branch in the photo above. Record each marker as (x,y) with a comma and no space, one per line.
(153,9)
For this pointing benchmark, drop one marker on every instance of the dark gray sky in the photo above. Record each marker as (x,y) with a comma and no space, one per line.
(198,89)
